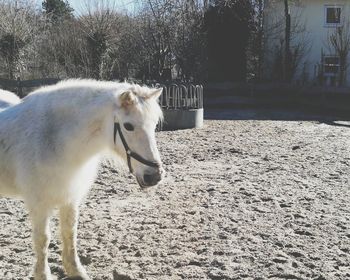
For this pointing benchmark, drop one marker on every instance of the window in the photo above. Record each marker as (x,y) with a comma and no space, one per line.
(331,65)
(333,14)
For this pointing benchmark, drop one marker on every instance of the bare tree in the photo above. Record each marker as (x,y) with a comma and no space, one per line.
(255,52)
(101,28)
(287,51)
(155,31)
(290,38)
(124,55)
(188,44)
(172,38)
(17,26)
(63,51)
(161,38)
(338,43)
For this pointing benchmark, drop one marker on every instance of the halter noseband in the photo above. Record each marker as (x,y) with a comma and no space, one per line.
(129,153)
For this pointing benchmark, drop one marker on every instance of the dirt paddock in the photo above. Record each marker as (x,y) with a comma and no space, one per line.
(252,195)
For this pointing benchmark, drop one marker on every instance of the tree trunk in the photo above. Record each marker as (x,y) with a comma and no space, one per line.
(287,53)
(260,38)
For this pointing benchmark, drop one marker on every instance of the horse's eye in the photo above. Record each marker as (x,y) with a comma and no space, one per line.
(129,126)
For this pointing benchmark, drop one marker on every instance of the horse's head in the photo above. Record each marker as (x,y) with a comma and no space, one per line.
(136,117)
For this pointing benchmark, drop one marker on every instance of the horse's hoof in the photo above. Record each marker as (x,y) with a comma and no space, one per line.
(81,276)
(44,277)
(78,278)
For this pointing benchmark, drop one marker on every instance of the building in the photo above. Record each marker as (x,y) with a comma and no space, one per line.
(313,58)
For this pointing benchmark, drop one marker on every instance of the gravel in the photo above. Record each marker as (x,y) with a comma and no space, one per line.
(245,197)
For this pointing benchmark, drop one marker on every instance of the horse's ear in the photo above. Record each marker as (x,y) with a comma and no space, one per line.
(127,99)
(155,93)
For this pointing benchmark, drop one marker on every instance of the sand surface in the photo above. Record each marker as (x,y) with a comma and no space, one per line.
(245,197)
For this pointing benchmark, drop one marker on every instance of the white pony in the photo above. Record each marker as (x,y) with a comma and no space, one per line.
(50,146)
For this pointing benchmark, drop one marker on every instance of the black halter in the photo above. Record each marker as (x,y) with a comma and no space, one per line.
(129,153)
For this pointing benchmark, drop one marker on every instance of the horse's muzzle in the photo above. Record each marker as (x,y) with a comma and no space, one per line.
(151,179)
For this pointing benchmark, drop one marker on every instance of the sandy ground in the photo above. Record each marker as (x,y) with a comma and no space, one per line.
(245,197)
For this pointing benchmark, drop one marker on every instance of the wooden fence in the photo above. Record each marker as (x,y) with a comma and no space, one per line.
(22,87)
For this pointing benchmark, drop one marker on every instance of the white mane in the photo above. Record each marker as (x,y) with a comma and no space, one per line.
(77,89)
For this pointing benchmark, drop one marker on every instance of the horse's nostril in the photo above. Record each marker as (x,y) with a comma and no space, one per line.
(148,179)
(151,179)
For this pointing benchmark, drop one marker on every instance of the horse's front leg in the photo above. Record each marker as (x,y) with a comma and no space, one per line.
(41,238)
(69,224)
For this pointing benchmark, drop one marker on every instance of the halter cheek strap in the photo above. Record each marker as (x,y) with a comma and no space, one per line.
(129,153)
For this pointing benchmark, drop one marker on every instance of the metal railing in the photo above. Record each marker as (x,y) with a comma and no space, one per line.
(181,96)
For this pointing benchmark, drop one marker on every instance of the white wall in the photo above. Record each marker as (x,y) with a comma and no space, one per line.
(311,15)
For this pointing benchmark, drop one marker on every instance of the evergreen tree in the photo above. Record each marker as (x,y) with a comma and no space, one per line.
(58,10)
(228,24)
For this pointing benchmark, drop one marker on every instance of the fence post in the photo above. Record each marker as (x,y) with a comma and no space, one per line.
(19,87)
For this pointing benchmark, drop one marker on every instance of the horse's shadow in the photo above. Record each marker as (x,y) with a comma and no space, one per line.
(61,276)
(338,123)
(276,115)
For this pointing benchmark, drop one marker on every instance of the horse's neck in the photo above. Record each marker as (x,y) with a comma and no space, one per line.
(92,137)
(79,125)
